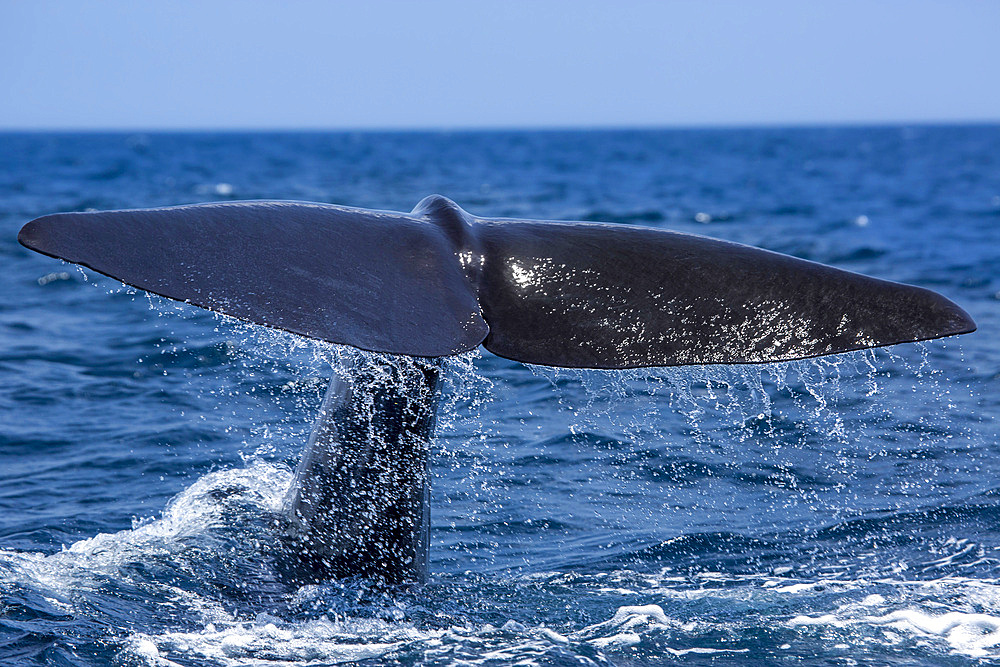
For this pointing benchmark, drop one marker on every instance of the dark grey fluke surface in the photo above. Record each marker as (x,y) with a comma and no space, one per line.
(439,281)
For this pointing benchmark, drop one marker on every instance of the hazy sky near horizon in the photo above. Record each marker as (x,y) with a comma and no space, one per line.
(233,64)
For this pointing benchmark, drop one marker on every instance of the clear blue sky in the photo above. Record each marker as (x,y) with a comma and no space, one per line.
(456,64)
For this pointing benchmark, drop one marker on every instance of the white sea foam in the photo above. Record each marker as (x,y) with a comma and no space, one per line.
(192,513)
(923,616)
(267,643)
(270,641)
(973,634)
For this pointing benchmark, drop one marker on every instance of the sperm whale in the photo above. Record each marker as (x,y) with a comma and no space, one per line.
(439,281)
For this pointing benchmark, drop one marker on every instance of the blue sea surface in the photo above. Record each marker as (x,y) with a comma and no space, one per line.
(835,511)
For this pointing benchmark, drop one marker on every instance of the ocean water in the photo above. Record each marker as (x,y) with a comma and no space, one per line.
(837,511)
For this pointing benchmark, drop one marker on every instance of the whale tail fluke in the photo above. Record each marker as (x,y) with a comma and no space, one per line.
(439,281)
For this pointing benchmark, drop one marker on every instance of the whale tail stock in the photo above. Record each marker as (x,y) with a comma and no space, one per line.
(359,504)
(438,281)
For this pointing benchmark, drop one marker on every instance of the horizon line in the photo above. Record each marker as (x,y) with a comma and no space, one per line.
(445,129)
